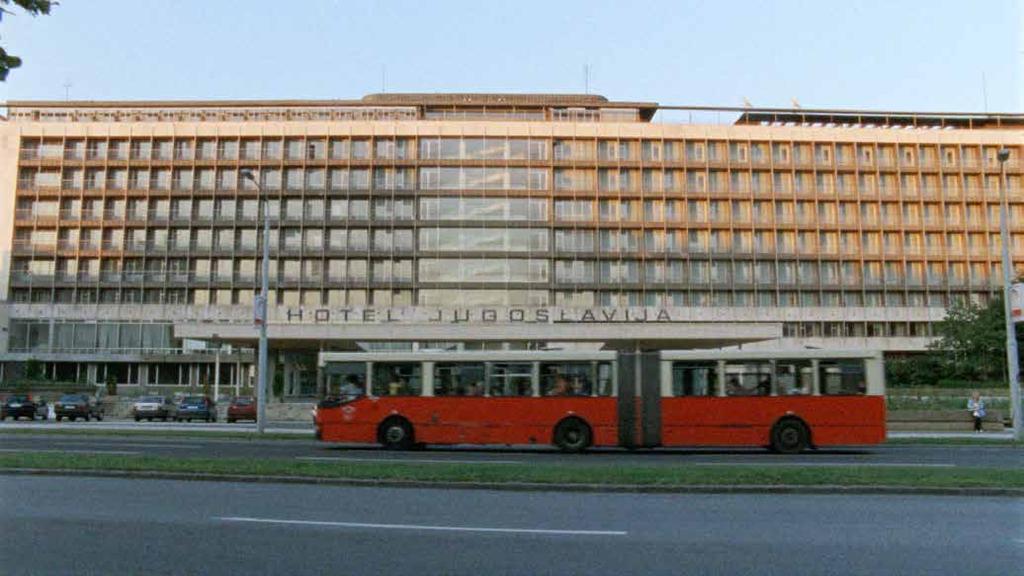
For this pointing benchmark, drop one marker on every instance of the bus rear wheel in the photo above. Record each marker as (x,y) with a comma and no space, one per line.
(790,436)
(396,434)
(573,435)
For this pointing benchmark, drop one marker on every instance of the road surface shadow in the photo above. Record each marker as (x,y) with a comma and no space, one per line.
(596,452)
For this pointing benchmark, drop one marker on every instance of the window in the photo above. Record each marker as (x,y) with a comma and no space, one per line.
(842,377)
(510,379)
(576,379)
(459,379)
(794,377)
(694,378)
(346,379)
(748,379)
(397,379)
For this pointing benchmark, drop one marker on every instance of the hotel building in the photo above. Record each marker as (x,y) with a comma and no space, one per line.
(131,245)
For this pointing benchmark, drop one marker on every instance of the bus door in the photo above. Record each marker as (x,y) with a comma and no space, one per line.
(639,402)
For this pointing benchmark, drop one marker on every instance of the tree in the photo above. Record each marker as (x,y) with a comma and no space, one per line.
(971,341)
(34,370)
(33,7)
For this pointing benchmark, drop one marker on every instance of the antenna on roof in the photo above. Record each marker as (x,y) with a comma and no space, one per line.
(67,90)
(796,104)
(586,78)
(383,78)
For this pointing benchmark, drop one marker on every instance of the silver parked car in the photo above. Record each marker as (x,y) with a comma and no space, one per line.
(150,407)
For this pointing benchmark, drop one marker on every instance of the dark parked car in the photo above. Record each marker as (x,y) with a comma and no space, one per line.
(150,407)
(198,408)
(242,408)
(22,405)
(75,406)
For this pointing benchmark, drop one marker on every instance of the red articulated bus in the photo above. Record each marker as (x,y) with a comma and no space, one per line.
(786,401)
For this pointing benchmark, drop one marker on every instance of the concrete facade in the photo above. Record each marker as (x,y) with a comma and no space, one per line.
(129,242)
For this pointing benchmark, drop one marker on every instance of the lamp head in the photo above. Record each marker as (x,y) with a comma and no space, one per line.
(1003,155)
(247,174)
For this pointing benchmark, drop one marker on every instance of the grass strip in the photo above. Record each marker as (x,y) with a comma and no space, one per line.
(660,476)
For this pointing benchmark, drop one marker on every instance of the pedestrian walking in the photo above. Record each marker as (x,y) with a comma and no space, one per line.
(976,406)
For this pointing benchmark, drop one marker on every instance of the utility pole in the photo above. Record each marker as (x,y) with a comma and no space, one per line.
(1012,359)
(260,309)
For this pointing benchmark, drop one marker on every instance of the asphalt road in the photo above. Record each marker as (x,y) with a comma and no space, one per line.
(923,456)
(62,525)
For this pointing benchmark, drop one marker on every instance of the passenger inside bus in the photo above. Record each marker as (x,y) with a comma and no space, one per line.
(397,387)
(580,386)
(561,387)
(352,386)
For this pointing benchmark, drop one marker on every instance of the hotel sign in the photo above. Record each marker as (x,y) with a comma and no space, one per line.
(457,315)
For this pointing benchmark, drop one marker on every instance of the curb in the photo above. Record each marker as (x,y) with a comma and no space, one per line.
(524,486)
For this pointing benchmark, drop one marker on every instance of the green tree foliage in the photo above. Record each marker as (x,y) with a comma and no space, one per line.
(34,370)
(969,350)
(33,7)
(913,370)
(971,341)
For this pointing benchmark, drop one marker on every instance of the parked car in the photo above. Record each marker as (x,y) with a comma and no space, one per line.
(198,408)
(75,406)
(150,407)
(23,405)
(242,408)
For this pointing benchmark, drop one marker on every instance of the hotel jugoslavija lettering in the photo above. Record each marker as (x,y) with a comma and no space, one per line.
(475,315)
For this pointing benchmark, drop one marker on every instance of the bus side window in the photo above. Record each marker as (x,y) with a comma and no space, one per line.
(694,378)
(510,379)
(567,379)
(842,377)
(605,382)
(398,378)
(459,379)
(794,377)
(346,379)
(748,378)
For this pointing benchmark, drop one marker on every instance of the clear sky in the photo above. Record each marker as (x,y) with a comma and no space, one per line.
(897,55)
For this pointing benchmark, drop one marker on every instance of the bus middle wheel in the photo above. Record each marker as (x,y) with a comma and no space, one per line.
(396,434)
(572,435)
(790,436)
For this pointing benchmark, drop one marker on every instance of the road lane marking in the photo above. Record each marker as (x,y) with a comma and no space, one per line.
(71,451)
(423,527)
(801,464)
(398,459)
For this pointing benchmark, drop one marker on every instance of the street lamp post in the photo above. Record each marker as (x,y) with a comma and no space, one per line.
(261,309)
(1012,359)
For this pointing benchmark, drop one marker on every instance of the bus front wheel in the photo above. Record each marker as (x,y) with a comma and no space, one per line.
(790,436)
(396,434)
(572,435)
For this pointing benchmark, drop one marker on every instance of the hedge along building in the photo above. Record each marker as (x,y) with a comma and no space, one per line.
(131,245)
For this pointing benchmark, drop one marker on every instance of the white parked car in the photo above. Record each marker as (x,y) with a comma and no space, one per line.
(150,407)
